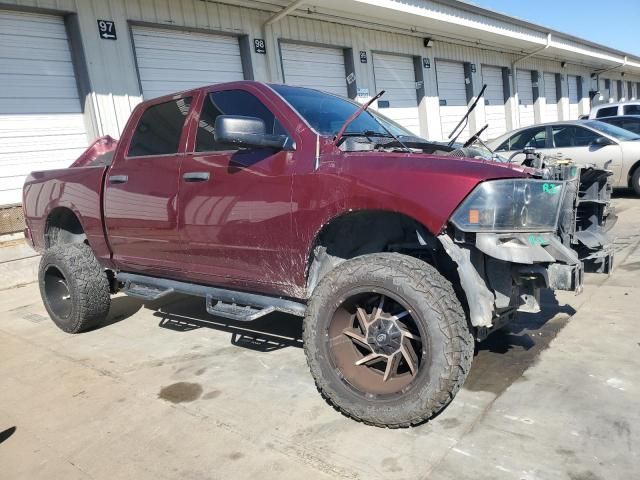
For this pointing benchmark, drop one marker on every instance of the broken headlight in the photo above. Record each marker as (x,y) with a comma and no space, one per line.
(522,205)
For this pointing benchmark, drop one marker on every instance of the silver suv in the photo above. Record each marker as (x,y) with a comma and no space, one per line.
(615,109)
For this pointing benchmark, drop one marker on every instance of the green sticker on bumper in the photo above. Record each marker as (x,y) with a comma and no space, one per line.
(537,240)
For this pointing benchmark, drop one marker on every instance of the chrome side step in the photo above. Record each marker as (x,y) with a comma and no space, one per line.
(232,304)
(239,313)
(145,292)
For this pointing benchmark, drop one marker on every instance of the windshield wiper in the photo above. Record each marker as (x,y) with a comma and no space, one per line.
(465,119)
(367,133)
(355,115)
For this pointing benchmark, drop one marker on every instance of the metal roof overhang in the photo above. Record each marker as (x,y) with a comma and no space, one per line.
(458,22)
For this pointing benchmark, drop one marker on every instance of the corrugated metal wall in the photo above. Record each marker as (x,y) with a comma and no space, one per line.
(115,87)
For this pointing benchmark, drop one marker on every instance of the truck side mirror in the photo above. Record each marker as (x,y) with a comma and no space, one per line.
(248,132)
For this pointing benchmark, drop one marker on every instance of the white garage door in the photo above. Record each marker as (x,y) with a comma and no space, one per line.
(170,60)
(525,94)
(550,97)
(314,67)
(41,121)
(574,110)
(452,94)
(395,75)
(494,109)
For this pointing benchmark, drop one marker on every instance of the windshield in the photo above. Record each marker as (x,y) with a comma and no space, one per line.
(326,113)
(613,131)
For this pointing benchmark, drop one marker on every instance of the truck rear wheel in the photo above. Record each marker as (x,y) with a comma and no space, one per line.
(74,287)
(387,340)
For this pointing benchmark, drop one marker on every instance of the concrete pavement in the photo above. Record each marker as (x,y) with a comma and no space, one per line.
(165,391)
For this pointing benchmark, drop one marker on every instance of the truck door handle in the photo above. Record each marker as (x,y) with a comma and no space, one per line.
(196,176)
(118,179)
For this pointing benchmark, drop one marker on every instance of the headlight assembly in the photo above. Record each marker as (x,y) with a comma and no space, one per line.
(513,205)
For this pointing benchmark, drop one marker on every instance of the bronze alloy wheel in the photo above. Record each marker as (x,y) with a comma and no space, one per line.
(387,340)
(376,345)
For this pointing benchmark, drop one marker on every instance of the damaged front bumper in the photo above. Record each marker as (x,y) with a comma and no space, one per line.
(540,257)
(502,274)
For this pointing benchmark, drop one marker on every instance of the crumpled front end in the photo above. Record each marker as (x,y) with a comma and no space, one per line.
(586,214)
(508,248)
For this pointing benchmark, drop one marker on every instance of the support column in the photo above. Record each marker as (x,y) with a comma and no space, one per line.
(538,102)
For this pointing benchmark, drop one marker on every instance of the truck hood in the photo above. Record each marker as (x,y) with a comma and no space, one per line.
(423,186)
(455,167)
(504,167)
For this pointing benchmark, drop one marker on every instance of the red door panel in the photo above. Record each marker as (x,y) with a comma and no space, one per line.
(140,213)
(141,189)
(238,222)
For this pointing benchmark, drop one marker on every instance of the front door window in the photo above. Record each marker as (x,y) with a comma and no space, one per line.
(231,102)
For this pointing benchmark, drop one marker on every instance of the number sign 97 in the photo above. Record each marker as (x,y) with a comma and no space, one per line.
(107,29)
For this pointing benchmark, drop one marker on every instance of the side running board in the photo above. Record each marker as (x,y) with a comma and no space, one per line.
(231,304)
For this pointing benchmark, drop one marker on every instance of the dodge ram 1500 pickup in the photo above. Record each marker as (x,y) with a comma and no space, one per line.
(261,198)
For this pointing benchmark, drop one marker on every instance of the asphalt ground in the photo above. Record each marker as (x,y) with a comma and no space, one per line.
(167,391)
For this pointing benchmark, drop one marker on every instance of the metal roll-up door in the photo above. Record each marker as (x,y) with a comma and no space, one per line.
(452,94)
(172,60)
(495,111)
(551,98)
(574,108)
(41,121)
(396,75)
(316,67)
(605,90)
(525,95)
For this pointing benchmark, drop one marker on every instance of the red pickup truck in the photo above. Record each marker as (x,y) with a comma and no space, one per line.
(263,198)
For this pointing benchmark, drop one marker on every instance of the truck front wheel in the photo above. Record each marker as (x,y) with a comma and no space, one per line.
(74,287)
(387,340)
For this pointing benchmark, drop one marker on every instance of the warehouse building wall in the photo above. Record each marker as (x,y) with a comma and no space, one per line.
(112,68)
(113,86)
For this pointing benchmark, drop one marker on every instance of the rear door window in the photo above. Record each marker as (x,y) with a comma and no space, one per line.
(231,102)
(607,112)
(567,136)
(159,129)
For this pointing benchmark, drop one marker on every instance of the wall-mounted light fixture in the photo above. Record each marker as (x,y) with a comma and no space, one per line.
(428,42)
(563,64)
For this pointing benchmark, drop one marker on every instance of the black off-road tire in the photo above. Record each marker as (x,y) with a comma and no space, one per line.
(74,267)
(434,305)
(635,181)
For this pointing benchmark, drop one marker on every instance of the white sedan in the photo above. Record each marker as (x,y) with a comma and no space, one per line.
(587,142)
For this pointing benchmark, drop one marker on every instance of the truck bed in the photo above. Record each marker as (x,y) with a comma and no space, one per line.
(78,189)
